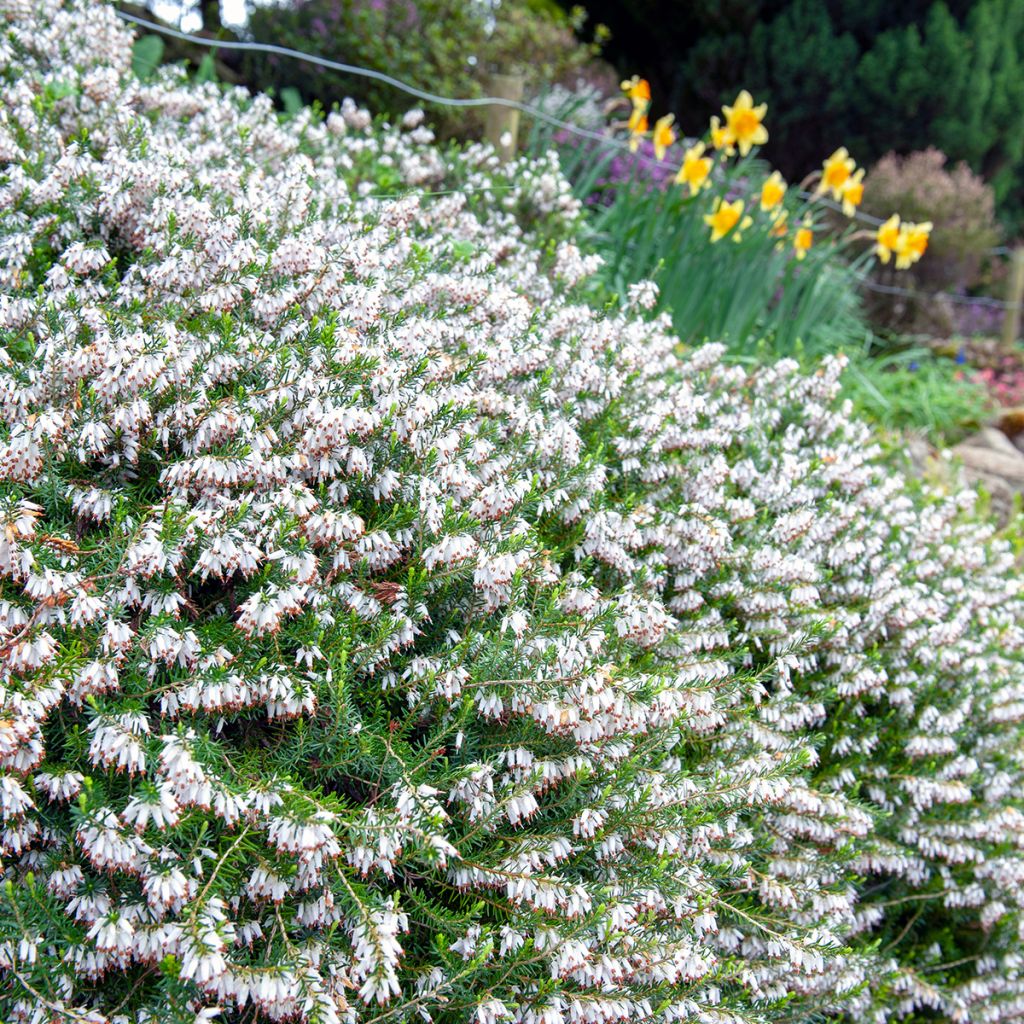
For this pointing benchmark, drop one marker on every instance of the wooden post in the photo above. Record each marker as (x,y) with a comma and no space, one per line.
(502,127)
(1015,298)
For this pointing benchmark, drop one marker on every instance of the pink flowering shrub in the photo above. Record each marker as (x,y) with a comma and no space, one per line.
(387,635)
(1005,381)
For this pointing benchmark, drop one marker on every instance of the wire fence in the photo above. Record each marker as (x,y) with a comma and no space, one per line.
(966,300)
(553,122)
(972,300)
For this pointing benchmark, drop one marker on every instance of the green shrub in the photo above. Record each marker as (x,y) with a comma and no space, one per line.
(446,47)
(387,635)
(915,389)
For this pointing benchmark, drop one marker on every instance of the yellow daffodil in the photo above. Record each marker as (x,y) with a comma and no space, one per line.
(780,226)
(887,238)
(803,239)
(920,234)
(696,169)
(772,192)
(835,172)
(727,217)
(721,138)
(743,121)
(664,136)
(852,192)
(637,128)
(911,244)
(638,90)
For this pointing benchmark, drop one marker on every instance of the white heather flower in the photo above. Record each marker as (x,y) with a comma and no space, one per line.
(112,933)
(642,294)
(156,805)
(14,801)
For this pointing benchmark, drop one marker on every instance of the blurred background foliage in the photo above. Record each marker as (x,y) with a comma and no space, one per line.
(873,75)
(961,205)
(441,46)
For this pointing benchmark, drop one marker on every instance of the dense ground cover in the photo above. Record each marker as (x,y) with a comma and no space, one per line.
(388,634)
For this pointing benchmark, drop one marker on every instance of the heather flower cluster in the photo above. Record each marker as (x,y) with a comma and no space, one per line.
(387,635)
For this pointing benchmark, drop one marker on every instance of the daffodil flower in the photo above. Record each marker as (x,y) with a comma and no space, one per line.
(664,136)
(637,128)
(803,239)
(727,217)
(887,238)
(772,192)
(852,192)
(835,172)
(911,244)
(780,225)
(721,138)
(743,122)
(919,236)
(638,90)
(696,169)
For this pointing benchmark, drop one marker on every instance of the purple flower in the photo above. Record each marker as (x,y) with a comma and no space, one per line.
(641,168)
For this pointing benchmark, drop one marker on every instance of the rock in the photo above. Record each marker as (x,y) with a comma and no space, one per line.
(986,461)
(988,458)
(991,439)
(999,468)
(920,453)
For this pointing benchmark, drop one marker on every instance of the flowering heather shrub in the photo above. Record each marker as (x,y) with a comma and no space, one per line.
(386,635)
(583,104)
